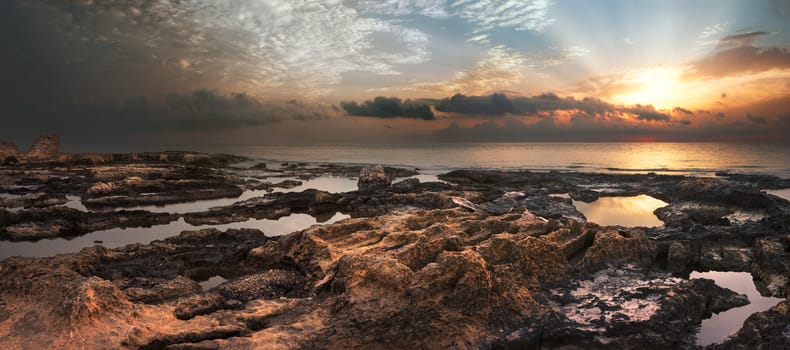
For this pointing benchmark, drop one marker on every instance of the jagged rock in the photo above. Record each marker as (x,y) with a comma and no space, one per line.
(46,146)
(771,264)
(201,304)
(627,308)
(101,188)
(409,270)
(268,285)
(155,290)
(373,178)
(612,246)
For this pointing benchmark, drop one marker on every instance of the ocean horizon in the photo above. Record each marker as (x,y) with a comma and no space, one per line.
(689,158)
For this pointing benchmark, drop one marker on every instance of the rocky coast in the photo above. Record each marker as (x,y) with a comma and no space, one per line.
(481,259)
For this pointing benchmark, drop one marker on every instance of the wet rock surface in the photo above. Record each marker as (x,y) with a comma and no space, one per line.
(488,261)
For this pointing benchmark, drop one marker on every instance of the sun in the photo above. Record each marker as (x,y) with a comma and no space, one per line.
(658,86)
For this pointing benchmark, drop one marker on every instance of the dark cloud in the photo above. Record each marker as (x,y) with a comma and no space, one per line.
(738,60)
(201,110)
(683,110)
(756,119)
(780,8)
(581,128)
(499,104)
(743,39)
(647,113)
(389,107)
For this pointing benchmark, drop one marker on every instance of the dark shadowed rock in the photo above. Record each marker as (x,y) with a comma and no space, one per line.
(771,264)
(677,258)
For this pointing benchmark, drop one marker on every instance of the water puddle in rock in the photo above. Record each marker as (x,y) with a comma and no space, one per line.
(119,237)
(622,211)
(212,282)
(330,184)
(721,325)
(783,193)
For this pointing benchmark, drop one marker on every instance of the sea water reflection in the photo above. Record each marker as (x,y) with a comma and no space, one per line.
(622,211)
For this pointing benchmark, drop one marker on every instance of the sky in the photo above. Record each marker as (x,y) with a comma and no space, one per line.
(127,73)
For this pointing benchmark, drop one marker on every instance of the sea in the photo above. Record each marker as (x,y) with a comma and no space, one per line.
(701,159)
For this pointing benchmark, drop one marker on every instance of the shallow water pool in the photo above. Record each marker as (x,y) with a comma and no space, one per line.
(721,325)
(623,211)
(119,237)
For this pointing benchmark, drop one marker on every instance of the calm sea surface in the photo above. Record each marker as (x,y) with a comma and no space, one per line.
(686,158)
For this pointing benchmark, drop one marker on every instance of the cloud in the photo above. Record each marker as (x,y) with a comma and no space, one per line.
(498,104)
(755,119)
(237,44)
(430,8)
(489,14)
(200,110)
(392,107)
(495,104)
(577,127)
(743,59)
(742,39)
(647,113)
(500,69)
(485,15)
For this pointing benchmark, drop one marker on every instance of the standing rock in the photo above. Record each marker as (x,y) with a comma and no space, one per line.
(46,146)
(677,258)
(373,178)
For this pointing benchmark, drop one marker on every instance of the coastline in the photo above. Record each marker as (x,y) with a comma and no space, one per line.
(511,267)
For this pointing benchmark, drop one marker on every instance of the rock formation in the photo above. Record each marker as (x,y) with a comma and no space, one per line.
(46,146)
(373,178)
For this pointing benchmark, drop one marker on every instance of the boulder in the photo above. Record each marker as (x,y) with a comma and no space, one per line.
(373,178)
(612,246)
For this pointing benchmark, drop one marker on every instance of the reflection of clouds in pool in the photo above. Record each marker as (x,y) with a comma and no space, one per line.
(623,211)
(723,324)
